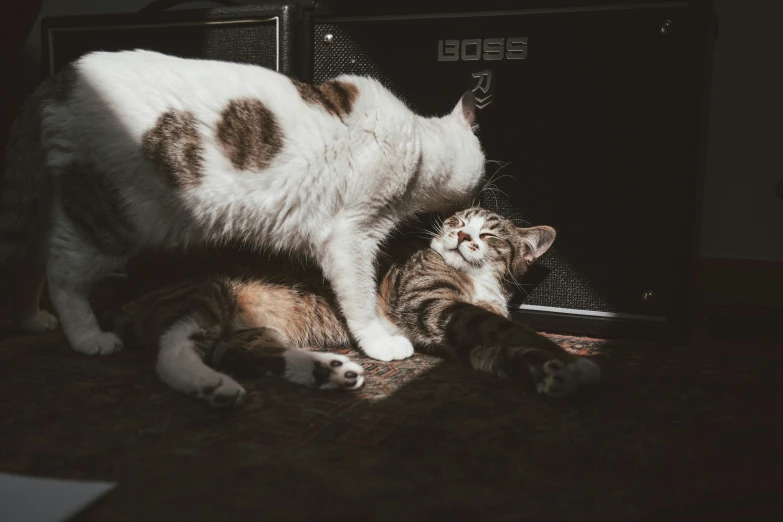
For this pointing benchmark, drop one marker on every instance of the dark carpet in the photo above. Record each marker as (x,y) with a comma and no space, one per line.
(672,433)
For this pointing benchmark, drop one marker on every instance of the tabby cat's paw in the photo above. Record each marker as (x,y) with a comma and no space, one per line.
(41,322)
(102,343)
(335,372)
(585,371)
(226,393)
(325,371)
(557,379)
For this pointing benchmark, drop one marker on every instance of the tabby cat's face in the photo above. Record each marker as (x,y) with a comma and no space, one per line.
(478,241)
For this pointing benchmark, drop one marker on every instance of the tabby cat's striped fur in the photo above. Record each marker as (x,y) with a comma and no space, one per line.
(450,299)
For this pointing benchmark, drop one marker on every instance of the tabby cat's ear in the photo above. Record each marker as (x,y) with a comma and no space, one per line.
(537,241)
(466,109)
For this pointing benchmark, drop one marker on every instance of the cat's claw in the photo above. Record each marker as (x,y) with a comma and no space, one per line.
(102,343)
(41,322)
(388,348)
(226,393)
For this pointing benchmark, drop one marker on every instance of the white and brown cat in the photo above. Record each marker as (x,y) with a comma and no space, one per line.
(135,150)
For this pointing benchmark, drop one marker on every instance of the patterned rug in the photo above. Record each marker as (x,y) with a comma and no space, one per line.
(672,433)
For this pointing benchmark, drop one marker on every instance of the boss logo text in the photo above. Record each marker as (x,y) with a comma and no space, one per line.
(473,49)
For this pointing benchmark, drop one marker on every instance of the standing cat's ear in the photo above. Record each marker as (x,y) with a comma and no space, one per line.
(537,241)
(466,109)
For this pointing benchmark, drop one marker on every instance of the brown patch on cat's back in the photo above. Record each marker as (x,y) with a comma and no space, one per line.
(175,146)
(249,134)
(307,91)
(336,96)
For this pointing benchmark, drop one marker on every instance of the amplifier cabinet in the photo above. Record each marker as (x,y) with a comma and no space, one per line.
(255,34)
(593,116)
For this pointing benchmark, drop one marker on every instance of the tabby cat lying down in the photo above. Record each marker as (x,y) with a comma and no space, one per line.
(450,299)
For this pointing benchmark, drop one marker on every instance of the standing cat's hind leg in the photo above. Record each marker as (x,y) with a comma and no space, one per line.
(74,267)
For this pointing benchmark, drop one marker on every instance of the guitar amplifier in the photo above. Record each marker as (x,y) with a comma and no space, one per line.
(257,34)
(592,114)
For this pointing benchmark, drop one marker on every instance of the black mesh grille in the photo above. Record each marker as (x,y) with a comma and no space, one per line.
(253,43)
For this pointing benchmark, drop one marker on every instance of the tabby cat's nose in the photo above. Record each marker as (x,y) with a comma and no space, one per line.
(462,236)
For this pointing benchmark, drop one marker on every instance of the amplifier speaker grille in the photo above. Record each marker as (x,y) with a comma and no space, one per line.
(254,34)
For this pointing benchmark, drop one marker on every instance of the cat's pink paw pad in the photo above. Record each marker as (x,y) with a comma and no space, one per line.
(226,393)
(557,381)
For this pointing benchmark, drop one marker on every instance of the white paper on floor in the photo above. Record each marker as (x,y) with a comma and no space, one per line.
(32,499)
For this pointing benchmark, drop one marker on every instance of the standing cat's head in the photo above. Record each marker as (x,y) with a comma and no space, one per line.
(453,158)
(482,243)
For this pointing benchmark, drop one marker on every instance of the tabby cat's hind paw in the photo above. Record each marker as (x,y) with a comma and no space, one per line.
(585,370)
(226,393)
(557,379)
(325,371)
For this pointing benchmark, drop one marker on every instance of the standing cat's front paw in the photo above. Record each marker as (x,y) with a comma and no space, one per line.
(387,348)
(557,379)
(42,321)
(102,343)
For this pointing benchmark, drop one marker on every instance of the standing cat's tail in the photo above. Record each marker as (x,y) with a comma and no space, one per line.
(25,214)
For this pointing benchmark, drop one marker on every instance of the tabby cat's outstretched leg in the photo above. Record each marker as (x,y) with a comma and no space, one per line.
(256,352)
(493,343)
(554,374)
(181,365)
(74,266)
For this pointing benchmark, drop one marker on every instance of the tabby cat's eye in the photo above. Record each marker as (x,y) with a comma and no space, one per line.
(487,235)
(456,222)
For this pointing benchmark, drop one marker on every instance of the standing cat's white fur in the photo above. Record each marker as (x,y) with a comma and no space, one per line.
(334,190)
